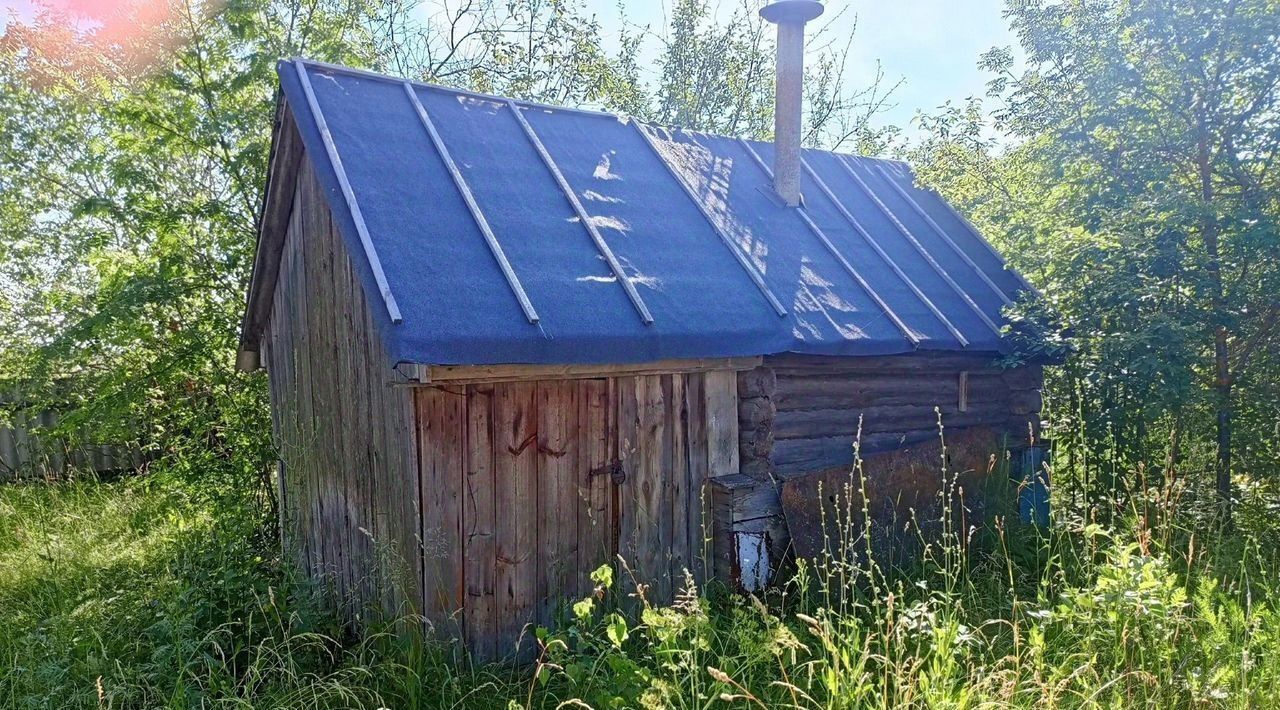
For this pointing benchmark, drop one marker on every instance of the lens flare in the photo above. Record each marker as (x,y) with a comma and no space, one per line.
(84,39)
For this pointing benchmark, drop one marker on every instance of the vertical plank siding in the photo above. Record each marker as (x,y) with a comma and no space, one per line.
(597,439)
(558,502)
(515,495)
(524,473)
(348,460)
(442,421)
(479,516)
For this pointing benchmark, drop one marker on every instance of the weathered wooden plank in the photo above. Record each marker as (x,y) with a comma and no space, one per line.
(290,451)
(441,438)
(355,394)
(337,419)
(307,440)
(651,494)
(22,441)
(594,480)
(515,461)
(389,551)
(721,394)
(8,449)
(523,373)
(479,543)
(328,422)
(698,512)
(403,456)
(629,457)
(680,499)
(557,450)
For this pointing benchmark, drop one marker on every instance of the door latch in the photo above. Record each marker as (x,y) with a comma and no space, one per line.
(614,470)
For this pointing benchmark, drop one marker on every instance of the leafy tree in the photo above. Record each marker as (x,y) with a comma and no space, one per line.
(1139,188)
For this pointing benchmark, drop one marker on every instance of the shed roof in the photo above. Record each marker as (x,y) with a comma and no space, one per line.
(497,230)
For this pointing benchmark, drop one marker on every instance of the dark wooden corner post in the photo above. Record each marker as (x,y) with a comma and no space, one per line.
(1025,402)
(746,509)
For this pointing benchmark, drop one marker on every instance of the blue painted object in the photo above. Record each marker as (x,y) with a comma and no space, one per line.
(1033,488)
(705,270)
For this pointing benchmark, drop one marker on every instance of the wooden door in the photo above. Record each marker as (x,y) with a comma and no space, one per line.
(513,519)
(674,432)
(527,487)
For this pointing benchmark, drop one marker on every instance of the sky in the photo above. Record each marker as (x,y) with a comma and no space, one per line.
(931,45)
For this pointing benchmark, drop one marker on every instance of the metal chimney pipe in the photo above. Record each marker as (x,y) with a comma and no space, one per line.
(790,17)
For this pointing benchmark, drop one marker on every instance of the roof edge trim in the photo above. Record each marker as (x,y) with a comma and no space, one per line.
(283,162)
(371,254)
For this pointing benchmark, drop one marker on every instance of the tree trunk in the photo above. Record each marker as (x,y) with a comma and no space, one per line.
(1218,317)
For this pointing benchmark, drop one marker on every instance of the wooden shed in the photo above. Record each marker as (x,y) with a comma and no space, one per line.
(508,343)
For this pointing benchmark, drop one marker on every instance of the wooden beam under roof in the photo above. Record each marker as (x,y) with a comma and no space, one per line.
(467,374)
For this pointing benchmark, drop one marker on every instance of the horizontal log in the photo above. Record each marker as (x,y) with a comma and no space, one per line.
(469,374)
(1028,377)
(760,469)
(737,497)
(1025,402)
(755,443)
(913,362)
(756,410)
(832,392)
(792,456)
(811,423)
(759,382)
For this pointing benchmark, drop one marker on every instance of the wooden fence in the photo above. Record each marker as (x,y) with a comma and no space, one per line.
(27,451)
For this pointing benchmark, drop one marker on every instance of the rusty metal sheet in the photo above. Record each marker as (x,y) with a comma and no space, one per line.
(823,509)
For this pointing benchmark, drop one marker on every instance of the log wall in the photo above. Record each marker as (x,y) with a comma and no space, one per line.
(800,415)
(342,421)
(821,402)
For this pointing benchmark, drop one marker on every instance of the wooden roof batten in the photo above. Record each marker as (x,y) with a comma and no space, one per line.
(585,219)
(907,333)
(741,258)
(371,254)
(491,239)
(893,265)
(902,229)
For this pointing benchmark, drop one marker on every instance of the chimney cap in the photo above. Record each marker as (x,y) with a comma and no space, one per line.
(791,11)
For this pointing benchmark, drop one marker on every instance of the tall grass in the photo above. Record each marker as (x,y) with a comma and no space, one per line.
(137,593)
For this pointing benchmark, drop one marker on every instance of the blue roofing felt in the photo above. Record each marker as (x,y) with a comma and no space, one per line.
(870,264)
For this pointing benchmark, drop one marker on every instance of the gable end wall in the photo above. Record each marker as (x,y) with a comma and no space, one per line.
(344,430)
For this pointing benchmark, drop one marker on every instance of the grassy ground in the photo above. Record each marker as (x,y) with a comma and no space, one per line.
(141,593)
